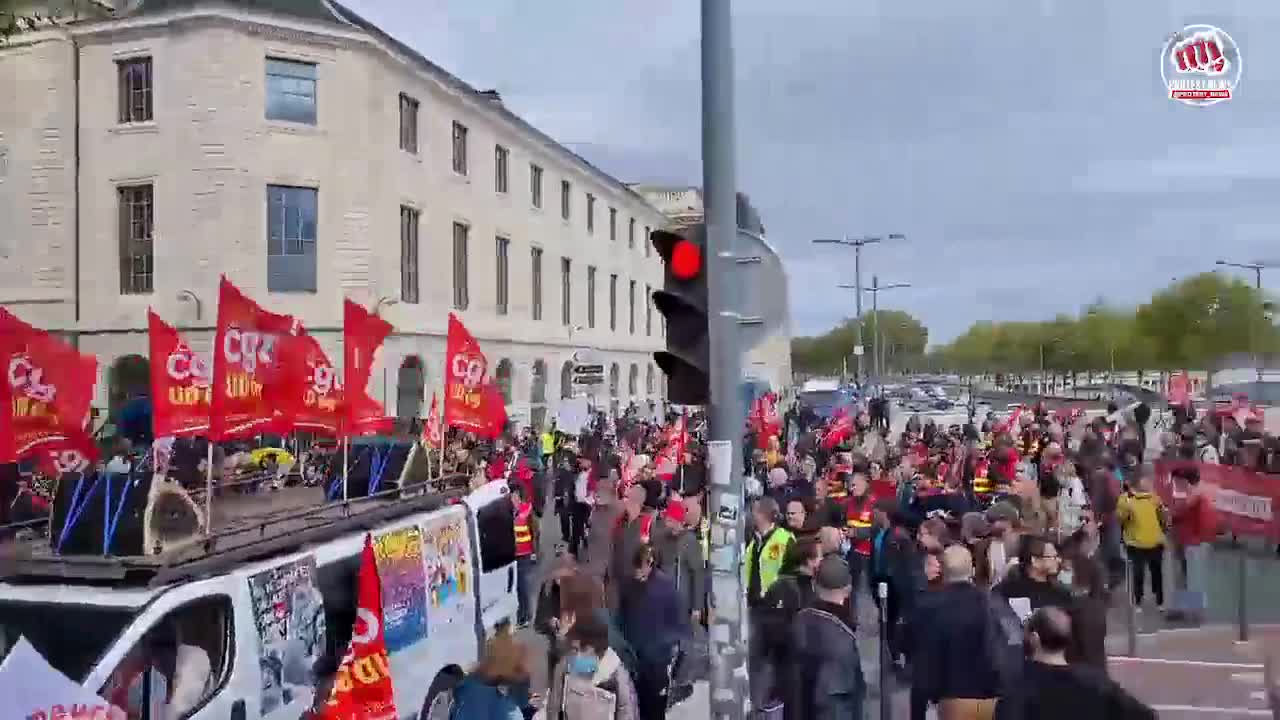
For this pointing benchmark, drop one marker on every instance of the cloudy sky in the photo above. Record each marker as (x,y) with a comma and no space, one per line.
(1025,147)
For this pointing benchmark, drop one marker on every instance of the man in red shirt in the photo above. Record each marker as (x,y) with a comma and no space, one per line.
(1195,525)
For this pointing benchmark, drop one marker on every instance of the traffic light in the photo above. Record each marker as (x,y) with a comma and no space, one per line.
(683,302)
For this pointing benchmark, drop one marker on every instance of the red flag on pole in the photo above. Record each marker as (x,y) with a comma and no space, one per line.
(431,435)
(304,387)
(471,401)
(362,334)
(244,351)
(180,383)
(46,391)
(362,689)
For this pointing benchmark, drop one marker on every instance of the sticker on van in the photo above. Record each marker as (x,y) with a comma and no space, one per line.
(288,611)
(404,586)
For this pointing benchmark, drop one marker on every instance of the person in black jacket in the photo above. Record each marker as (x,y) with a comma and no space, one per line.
(825,674)
(950,663)
(1051,689)
(792,591)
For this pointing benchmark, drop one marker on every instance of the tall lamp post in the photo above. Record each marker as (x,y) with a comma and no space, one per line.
(877,359)
(1257,268)
(857,244)
(1048,342)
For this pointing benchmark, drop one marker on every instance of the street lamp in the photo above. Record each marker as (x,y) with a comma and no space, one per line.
(385,300)
(1050,341)
(857,244)
(876,288)
(1111,347)
(1257,268)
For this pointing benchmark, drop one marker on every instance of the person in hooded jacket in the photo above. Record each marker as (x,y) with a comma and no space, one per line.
(498,689)
(793,590)
(592,658)
(825,678)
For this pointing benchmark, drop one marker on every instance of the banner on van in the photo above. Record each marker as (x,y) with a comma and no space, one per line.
(288,612)
(34,689)
(404,587)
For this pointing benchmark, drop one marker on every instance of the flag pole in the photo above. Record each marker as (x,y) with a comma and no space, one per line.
(208,489)
(345,463)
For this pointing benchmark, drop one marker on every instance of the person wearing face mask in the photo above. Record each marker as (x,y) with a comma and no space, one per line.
(1084,578)
(591,666)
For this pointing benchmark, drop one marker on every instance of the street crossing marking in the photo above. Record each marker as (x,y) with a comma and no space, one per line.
(1192,663)
(1251,712)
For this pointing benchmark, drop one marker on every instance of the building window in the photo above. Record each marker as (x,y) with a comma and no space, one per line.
(648,246)
(135,89)
(631,234)
(648,311)
(566,289)
(631,307)
(613,302)
(500,157)
(591,213)
(591,296)
(291,238)
(408,124)
(291,91)
(137,256)
(459,148)
(535,255)
(535,185)
(503,248)
(461,298)
(565,190)
(613,224)
(408,254)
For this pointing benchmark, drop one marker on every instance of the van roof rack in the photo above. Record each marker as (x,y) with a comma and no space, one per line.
(243,532)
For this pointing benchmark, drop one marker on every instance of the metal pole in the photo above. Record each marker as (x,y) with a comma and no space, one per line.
(857,295)
(875,327)
(1253,339)
(886,659)
(729,687)
(208,489)
(1242,583)
(345,465)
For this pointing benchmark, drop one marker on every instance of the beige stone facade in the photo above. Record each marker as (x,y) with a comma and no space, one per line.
(209,154)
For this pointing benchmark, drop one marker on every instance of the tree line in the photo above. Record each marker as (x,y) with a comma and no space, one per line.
(1190,324)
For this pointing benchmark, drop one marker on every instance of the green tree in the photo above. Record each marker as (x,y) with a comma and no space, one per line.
(1189,324)
(905,339)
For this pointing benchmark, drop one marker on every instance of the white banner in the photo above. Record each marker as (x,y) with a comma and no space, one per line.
(33,689)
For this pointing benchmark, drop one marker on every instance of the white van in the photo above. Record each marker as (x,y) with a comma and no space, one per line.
(269,620)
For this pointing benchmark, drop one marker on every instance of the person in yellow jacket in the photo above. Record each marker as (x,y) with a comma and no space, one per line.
(1143,520)
(549,445)
(761,565)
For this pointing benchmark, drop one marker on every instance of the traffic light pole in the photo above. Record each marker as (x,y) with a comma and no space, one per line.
(729,686)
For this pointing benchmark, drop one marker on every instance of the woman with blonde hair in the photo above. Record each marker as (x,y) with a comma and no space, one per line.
(498,688)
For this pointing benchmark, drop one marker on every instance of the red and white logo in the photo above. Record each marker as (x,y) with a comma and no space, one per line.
(1201,65)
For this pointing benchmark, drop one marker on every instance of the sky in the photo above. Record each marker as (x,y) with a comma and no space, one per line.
(1026,148)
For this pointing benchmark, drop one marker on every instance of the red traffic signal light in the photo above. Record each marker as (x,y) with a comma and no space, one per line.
(686,260)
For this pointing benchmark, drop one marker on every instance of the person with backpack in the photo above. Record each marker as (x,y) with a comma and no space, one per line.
(591,682)
(956,655)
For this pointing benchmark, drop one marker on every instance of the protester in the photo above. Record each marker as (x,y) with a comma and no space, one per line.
(1143,518)
(680,557)
(498,689)
(1052,689)
(591,664)
(1035,578)
(653,622)
(825,676)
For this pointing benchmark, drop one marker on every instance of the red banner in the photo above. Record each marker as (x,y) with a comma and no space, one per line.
(431,435)
(362,335)
(180,383)
(304,387)
(471,402)
(1179,389)
(1246,501)
(46,391)
(362,689)
(244,350)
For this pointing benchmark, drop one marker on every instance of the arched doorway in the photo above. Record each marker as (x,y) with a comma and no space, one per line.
(411,381)
(538,394)
(615,380)
(566,381)
(129,397)
(503,378)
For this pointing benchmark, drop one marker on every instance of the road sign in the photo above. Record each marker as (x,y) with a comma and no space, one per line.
(857,350)
(588,375)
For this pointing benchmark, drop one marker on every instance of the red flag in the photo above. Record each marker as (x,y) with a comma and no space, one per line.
(362,689)
(431,435)
(471,401)
(75,453)
(45,395)
(304,387)
(244,351)
(180,383)
(840,430)
(362,335)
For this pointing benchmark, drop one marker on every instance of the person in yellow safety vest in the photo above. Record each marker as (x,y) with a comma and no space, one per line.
(526,531)
(549,445)
(761,566)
